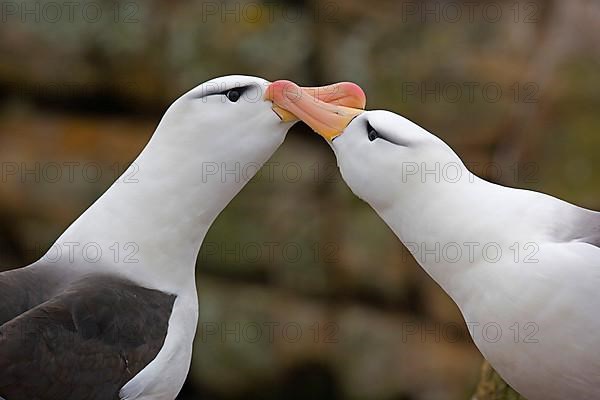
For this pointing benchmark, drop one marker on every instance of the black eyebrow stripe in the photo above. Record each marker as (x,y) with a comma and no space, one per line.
(241,89)
(384,136)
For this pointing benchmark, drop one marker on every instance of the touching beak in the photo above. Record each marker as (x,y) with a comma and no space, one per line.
(327,110)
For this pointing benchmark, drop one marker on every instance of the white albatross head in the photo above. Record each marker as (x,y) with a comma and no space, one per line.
(385,157)
(382,156)
(208,145)
(221,132)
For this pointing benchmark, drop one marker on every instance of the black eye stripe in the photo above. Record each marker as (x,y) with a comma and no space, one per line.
(240,90)
(371,132)
(374,134)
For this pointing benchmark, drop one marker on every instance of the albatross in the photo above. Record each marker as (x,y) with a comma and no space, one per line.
(522,266)
(115,316)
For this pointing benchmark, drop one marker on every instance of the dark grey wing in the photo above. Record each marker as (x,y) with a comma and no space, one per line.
(25,288)
(85,343)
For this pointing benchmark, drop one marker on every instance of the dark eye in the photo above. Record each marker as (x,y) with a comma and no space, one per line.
(371,132)
(233,95)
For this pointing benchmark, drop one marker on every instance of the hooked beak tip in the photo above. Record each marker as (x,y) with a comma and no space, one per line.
(327,110)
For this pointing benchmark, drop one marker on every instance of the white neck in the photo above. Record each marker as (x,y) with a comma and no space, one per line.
(151,223)
(433,218)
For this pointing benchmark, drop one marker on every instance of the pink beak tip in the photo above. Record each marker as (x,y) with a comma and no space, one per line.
(353,87)
(355,90)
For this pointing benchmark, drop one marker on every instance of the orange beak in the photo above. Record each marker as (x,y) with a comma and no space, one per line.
(327,110)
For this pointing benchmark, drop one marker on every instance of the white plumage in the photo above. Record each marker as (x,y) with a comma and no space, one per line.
(137,313)
(523,267)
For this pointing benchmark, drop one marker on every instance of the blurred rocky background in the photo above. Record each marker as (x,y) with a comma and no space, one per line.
(304,292)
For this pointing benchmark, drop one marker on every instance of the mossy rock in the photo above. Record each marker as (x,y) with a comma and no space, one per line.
(492,386)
